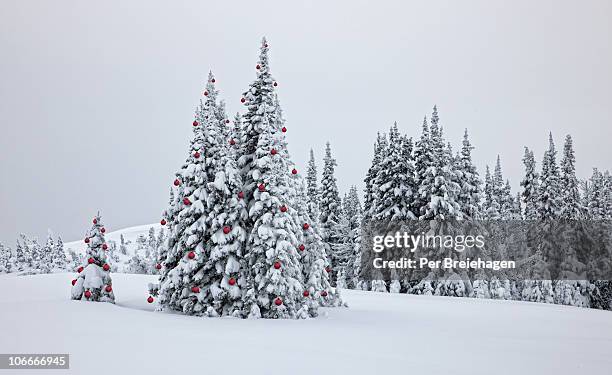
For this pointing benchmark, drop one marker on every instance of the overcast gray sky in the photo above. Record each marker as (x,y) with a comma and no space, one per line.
(96,98)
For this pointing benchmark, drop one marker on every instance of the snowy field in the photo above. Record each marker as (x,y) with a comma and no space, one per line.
(378,334)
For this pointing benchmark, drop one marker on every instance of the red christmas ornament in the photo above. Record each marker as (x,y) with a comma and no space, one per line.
(191,255)
(73,282)
(90,260)
(87,240)
(227,229)
(109,289)
(258,67)
(195,289)
(80,269)
(163,222)
(242,100)
(103,230)
(283,208)
(87,294)
(186,201)
(306,293)
(302,247)
(273,151)
(294,171)
(241,195)
(278,301)
(196,154)
(262,187)
(104,246)
(266,45)
(328,269)
(231,281)
(284,129)
(195,123)
(232,142)
(95,221)
(177,182)
(305,226)
(277,265)
(227,121)
(213,80)
(275,84)
(324,293)
(205,93)
(150,300)
(106,267)
(158,266)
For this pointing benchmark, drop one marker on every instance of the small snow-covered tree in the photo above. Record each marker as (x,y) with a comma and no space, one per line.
(571,208)
(93,282)
(6,259)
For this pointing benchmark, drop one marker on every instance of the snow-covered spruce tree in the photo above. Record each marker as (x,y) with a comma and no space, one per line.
(274,279)
(437,180)
(315,261)
(93,282)
(6,259)
(353,211)
(530,186)
(596,209)
(423,160)
(571,208)
(370,179)
(181,275)
(331,210)
(60,262)
(312,189)
(549,192)
(395,180)
(343,249)
(470,193)
(227,215)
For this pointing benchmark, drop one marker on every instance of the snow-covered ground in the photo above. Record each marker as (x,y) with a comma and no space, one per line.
(378,334)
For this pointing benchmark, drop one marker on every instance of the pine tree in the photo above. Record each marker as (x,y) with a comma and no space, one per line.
(182,276)
(331,211)
(312,189)
(94,282)
(549,192)
(423,161)
(530,186)
(395,180)
(6,259)
(227,215)
(571,209)
(274,280)
(597,196)
(470,194)
(438,180)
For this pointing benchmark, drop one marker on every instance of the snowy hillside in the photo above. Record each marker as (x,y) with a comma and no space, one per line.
(130,236)
(380,333)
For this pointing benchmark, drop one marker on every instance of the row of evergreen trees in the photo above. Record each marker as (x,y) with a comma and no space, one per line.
(241,238)
(426,180)
(31,257)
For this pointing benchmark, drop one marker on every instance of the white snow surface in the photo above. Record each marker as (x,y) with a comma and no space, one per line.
(380,333)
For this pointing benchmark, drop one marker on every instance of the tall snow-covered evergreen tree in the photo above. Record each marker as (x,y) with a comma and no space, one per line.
(549,192)
(331,209)
(571,208)
(530,186)
(312,189)
(438,180)
(93,282)
(182,276)
(470,193)
(423,161)
(274,281)
(395,180)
